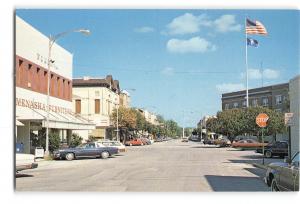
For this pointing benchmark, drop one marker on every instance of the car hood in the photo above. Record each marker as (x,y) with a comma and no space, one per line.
(278,164)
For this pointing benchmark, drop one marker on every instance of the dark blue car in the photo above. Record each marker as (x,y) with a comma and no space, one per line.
(90,149)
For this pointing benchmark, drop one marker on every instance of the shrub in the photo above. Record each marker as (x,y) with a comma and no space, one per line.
(75,140)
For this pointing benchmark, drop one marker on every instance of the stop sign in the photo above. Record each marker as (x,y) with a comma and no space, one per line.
(261,120)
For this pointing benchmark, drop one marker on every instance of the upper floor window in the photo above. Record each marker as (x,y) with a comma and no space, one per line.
(254,102)
(244,103)
(77,106)
(265,101)
(97,106)
(278,99)
(226,106)
(235,105)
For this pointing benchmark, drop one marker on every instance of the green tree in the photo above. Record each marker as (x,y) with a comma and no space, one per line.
(126,118)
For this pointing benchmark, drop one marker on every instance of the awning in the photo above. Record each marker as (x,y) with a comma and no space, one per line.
(18,123)
(60,121)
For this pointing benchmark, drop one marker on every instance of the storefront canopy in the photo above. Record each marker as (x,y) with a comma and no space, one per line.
(61,121)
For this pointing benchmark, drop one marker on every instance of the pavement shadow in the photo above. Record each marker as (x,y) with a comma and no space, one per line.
(236,183)
(257,171)
(20,175)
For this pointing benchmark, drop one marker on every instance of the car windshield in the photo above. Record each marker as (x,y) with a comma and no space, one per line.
(296,158)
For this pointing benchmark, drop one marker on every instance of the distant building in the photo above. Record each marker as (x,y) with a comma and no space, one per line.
(275,97)
(294,102)
(95,99)
(124,99)
(202,125)
(150,117)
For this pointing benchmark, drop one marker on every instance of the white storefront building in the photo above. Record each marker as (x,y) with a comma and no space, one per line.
(31,88)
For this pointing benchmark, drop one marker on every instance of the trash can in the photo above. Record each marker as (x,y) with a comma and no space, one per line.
(39,152)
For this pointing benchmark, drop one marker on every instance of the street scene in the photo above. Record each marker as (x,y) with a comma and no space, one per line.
(161,167)
(156,100)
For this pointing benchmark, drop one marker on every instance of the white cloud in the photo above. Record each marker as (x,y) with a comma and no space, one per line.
(168,71)
(194,45)
(226,23)
(187,24)
(229,87)
(271,74)
(144,29)
(266,74)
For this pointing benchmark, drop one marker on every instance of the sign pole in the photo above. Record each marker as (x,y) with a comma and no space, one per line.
(263,146)
(290,151)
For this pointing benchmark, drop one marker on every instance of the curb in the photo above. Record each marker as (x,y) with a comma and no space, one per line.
(261,166)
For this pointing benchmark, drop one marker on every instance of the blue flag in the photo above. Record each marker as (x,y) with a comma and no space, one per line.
(252,42)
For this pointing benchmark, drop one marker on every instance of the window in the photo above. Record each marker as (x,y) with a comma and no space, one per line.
(235,105)
(29,76)
(226,106)
(244,103)
(278,99)
(37,80)
(254,102)
(77,106)
(265,101)
(97,106)
(20,72)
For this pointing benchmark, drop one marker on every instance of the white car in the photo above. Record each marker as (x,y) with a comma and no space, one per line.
(116,144)
(25,161)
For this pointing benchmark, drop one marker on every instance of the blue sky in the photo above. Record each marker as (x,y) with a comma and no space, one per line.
(179,61)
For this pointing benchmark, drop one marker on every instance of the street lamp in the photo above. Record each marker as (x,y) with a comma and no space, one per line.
(52,40)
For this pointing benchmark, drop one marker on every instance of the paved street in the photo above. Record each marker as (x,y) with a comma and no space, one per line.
(161,167)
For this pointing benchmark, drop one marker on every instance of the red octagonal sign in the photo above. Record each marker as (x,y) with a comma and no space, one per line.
(261,120)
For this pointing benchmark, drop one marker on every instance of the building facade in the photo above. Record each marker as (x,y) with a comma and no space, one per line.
(294,108)
(31,81)
(95,99)
(275,97)
(149,117)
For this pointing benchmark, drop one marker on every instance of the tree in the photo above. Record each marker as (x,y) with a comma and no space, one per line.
(236,122)
(126,117)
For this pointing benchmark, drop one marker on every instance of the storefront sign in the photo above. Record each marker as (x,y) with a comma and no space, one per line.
(41,106)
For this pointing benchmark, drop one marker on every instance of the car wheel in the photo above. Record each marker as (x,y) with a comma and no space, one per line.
(70,156)
(268,154)
(104,155)
(274,186)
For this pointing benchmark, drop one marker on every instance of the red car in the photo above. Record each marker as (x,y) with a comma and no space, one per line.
(134,142)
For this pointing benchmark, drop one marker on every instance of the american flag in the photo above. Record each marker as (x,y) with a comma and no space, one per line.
(255,27)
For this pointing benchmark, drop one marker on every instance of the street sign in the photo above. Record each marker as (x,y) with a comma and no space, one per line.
(261,120)
(288,119)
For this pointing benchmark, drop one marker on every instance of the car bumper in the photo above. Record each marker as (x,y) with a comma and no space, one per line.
(26,166)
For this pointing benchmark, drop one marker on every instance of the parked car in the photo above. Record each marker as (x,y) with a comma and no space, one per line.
(145,141)
(195,138)
(223,142)
(283,176)
(134,142)
(208,141)
(278,148)
(116,144)
(25,161)
(90,149)
(184,139)
(248,144)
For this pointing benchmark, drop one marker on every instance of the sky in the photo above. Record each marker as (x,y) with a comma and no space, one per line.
(178,61)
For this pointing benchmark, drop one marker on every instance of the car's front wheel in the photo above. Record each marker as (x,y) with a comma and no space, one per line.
(274,186)
(70,156)
(268,154)
(104,155)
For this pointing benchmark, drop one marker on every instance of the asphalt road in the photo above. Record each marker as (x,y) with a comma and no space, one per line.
(161,167)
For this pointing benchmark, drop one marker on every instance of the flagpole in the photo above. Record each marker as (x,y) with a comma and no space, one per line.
(247,94)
